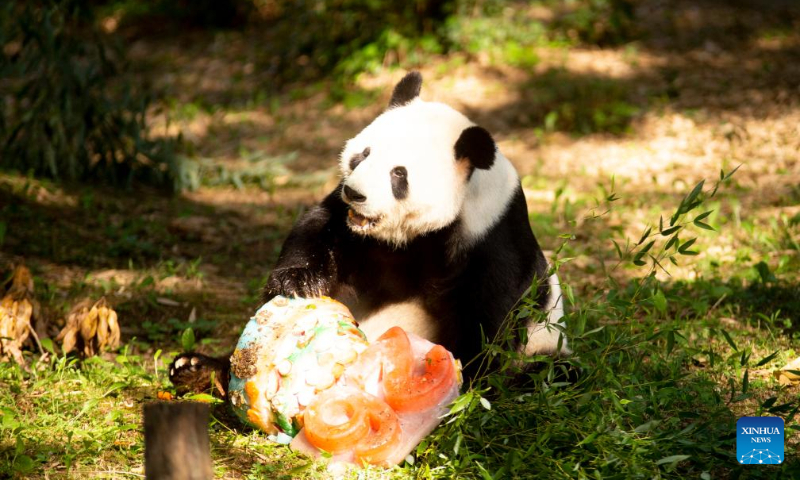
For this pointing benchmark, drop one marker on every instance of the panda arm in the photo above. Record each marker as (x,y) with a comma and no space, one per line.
(306,266)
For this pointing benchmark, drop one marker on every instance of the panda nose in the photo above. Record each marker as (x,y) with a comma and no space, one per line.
(353,195)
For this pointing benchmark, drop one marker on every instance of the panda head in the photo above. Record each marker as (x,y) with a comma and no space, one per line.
(412,169)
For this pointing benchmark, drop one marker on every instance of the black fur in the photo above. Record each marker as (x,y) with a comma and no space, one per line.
(358,158)
(399,177)
(477,145)
(353,195)
(406,90)
(469,295)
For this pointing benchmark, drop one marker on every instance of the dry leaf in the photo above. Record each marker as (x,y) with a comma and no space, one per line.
(168,302)
(16,315)
(785,377)
(90,328)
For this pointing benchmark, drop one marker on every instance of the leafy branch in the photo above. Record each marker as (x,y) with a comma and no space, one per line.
(641,253)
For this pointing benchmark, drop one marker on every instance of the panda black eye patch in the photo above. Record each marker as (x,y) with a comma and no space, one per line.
(399,182)
(358,158)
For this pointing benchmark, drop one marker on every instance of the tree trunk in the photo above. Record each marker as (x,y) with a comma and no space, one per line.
(176,441)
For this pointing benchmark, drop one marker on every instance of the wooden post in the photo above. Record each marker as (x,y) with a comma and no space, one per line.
(176,445)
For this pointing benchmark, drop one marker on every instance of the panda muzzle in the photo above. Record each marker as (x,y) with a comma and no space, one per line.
(359,220)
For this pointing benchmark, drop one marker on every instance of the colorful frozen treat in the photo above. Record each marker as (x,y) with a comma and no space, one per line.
(303,369)
(291,350)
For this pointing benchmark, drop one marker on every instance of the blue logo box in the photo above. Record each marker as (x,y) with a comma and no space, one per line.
(759,441)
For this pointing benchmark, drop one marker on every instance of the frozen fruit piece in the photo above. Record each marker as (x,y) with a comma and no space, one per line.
(347,419)
(336,420)
(347,355)
(406,390)
(326,359)
(384,434)
(305,397)
(284,367)
(338,370)
(388,443)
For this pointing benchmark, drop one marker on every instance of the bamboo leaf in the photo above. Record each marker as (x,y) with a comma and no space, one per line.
(616,247)
(670,231)
(703,215)
(660,301)
(672,459)
(672,241)
(644,236)
(684,248)
(690,199)
(703,225)
(731,173)
(729,340)
(768,358)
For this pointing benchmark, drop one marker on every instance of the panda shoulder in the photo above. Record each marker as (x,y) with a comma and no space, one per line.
(489,196)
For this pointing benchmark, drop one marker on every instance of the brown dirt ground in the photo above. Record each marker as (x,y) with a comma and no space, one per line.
(713,84)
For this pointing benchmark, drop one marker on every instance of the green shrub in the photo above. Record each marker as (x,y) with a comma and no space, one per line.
(580,104)
(70,113)
(510,30)
(507,37)
(344,37)
(598,22)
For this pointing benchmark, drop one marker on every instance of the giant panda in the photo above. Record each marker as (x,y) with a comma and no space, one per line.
(428,230)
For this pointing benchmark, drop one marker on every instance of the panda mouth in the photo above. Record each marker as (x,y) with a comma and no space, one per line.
(360,222)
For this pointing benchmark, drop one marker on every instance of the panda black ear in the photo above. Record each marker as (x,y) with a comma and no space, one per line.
(406,89)
(477,145)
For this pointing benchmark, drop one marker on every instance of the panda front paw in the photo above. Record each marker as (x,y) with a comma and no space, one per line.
(197,373)
(296,282)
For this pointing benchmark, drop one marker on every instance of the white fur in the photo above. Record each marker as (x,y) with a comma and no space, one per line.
(543,337)
(488,195)
(421,137)
(410,315)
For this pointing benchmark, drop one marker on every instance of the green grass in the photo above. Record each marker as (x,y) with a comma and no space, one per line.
(664,374)
(666,363)
(83,419)
(658,396)
(664,370)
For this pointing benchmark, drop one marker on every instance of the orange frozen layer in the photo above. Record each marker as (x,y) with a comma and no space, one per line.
(386,402)
(349,419)
(406,391)
(336,420)
(384,434)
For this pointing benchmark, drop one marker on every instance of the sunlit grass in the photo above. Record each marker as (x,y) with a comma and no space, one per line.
(663,366)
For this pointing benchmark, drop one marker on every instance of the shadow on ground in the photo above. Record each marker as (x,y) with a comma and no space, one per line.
(161,260)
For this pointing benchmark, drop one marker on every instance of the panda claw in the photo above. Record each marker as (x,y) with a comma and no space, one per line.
(296,282)
(180,362)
